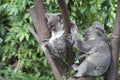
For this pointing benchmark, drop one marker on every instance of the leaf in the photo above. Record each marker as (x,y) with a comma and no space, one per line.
(82,9)
(93,9)
(45,62)
(27,36)
(21,37)
(1,40)
(8,38)
(37,75)
(74,8)
(34,57)
(73,14)
(67,1)
(2,30)
(26,16)
(4,58)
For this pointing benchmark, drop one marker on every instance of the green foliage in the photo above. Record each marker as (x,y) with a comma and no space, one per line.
(17,44)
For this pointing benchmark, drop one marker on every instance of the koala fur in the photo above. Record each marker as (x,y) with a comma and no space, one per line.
(96,49)
(57,42)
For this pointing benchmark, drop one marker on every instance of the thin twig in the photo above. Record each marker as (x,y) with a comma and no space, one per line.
(33,33)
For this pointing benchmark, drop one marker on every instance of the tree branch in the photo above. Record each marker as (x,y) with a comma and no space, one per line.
(34,33)
(66,20)
(43,33)
(47,52)
(36,23)
(70,53)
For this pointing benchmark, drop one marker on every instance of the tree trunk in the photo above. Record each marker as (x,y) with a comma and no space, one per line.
(39,21)
(115,47)
(42,29)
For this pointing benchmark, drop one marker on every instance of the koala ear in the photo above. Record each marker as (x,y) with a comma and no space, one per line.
(98,26)
(59,15)
(100,29)
(47,15)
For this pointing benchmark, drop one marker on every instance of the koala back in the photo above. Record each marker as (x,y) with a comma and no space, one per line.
(98,62)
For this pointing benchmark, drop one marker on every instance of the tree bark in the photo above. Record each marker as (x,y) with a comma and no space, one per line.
(66,20)
(42,30)
(70,53)
(115,47)
(39,20)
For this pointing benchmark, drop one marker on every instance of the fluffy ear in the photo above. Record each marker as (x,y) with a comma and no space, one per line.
(98,26)
(47,15)
(59,15)
(100,29)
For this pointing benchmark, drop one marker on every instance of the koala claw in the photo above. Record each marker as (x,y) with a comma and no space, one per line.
(69,39)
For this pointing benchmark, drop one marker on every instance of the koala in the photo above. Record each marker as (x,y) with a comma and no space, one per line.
(57,41)
(96,52)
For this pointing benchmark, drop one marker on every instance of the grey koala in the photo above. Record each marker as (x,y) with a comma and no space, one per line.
(57,42)
(96,52)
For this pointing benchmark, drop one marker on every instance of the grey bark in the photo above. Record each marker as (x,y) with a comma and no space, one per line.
(112,74)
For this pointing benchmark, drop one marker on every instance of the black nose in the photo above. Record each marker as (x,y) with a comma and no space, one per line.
(51,26)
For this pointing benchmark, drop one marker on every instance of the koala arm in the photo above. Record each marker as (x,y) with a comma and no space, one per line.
(74,30)
(83,46)
(81,56)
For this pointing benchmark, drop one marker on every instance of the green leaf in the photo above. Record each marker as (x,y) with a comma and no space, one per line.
(26,16)
(27,36)
(21,37)
(37,75)
(82,9)
(1,40)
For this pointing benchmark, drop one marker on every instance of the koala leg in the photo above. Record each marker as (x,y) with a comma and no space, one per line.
(75,67)
(82,69)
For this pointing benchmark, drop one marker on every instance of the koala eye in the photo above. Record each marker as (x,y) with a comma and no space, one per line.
(46,19)
(50,25)
(59,20)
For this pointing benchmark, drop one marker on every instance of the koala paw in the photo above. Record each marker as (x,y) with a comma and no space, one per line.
(68,37)
(75,67)
(78,75)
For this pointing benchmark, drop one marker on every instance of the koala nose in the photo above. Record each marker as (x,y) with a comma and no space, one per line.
(50,27)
